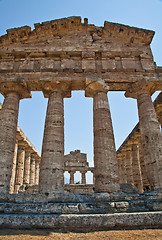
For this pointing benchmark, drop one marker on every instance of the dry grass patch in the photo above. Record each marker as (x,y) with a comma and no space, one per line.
(148,234)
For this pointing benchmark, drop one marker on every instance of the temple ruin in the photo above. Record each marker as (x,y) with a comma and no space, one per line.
(59,57)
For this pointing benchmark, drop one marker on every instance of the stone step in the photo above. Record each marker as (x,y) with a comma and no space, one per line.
(82,222)
(77,208)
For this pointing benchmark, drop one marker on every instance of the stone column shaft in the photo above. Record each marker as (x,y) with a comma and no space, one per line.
(128,167)
(8,128)
(27,167)
(71,177)
(123,167)
(142,164)
(151,137)
(32,171)
(13,175)
(105,161)
(19,167)
(137,175)
(83,181)
(37,172)
(52,161)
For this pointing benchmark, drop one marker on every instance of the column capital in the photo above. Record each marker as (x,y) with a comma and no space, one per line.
(138,88)
(62,86)
(94,86)
(21,144)
(20,88)
(83,171)
(72,171)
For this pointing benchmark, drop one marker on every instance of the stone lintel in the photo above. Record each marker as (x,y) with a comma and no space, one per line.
(20,87)
(22,137)
(138,88)
(79,169)
(63,86)
(94,86)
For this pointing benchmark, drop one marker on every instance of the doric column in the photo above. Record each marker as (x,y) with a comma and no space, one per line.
(52,161)
(32,170)
(37,172)
(146,184)
(128,164)
(137,174)
(83,179)
(27,166)
(122,167)
(20,166)
(8,128)
(151,135)
(12,181)
(105,161)
(71,177)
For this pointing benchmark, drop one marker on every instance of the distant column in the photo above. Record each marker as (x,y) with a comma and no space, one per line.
(32,170)
(72,177)
(8,129)
(128,165)
(13,175)
(27,166)
(137,175)
(83,181)
(146,184)
(151,135)
(37,163)
(20,166)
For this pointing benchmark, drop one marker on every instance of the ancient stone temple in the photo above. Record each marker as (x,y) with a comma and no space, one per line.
(59,57)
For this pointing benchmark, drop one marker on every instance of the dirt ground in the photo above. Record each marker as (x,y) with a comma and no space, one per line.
(148,234)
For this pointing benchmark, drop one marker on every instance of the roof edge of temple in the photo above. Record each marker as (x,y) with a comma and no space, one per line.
(74,24)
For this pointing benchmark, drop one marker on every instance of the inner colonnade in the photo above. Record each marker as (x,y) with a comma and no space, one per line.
(65,55)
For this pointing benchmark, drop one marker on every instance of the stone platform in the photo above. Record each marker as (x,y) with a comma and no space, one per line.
(74,212)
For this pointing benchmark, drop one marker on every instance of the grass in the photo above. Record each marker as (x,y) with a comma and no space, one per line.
(147,234)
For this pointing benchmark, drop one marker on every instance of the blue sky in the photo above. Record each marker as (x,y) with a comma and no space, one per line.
(78,110)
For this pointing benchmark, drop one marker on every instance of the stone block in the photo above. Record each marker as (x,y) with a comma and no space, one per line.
(108,64)
(88,64)
(147,64)
(6,66)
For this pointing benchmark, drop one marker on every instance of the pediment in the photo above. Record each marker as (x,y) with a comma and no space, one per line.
(57,29)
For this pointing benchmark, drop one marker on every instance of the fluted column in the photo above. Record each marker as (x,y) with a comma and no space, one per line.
(52,161)
(122,167)
(27,166)
(137,175)
(83,179)
(71,177)
(8,128)
(37,163)
(145,181)
(151,135)
(13,175)
(20,166)
(105,161)
(32,170)
(128,165)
